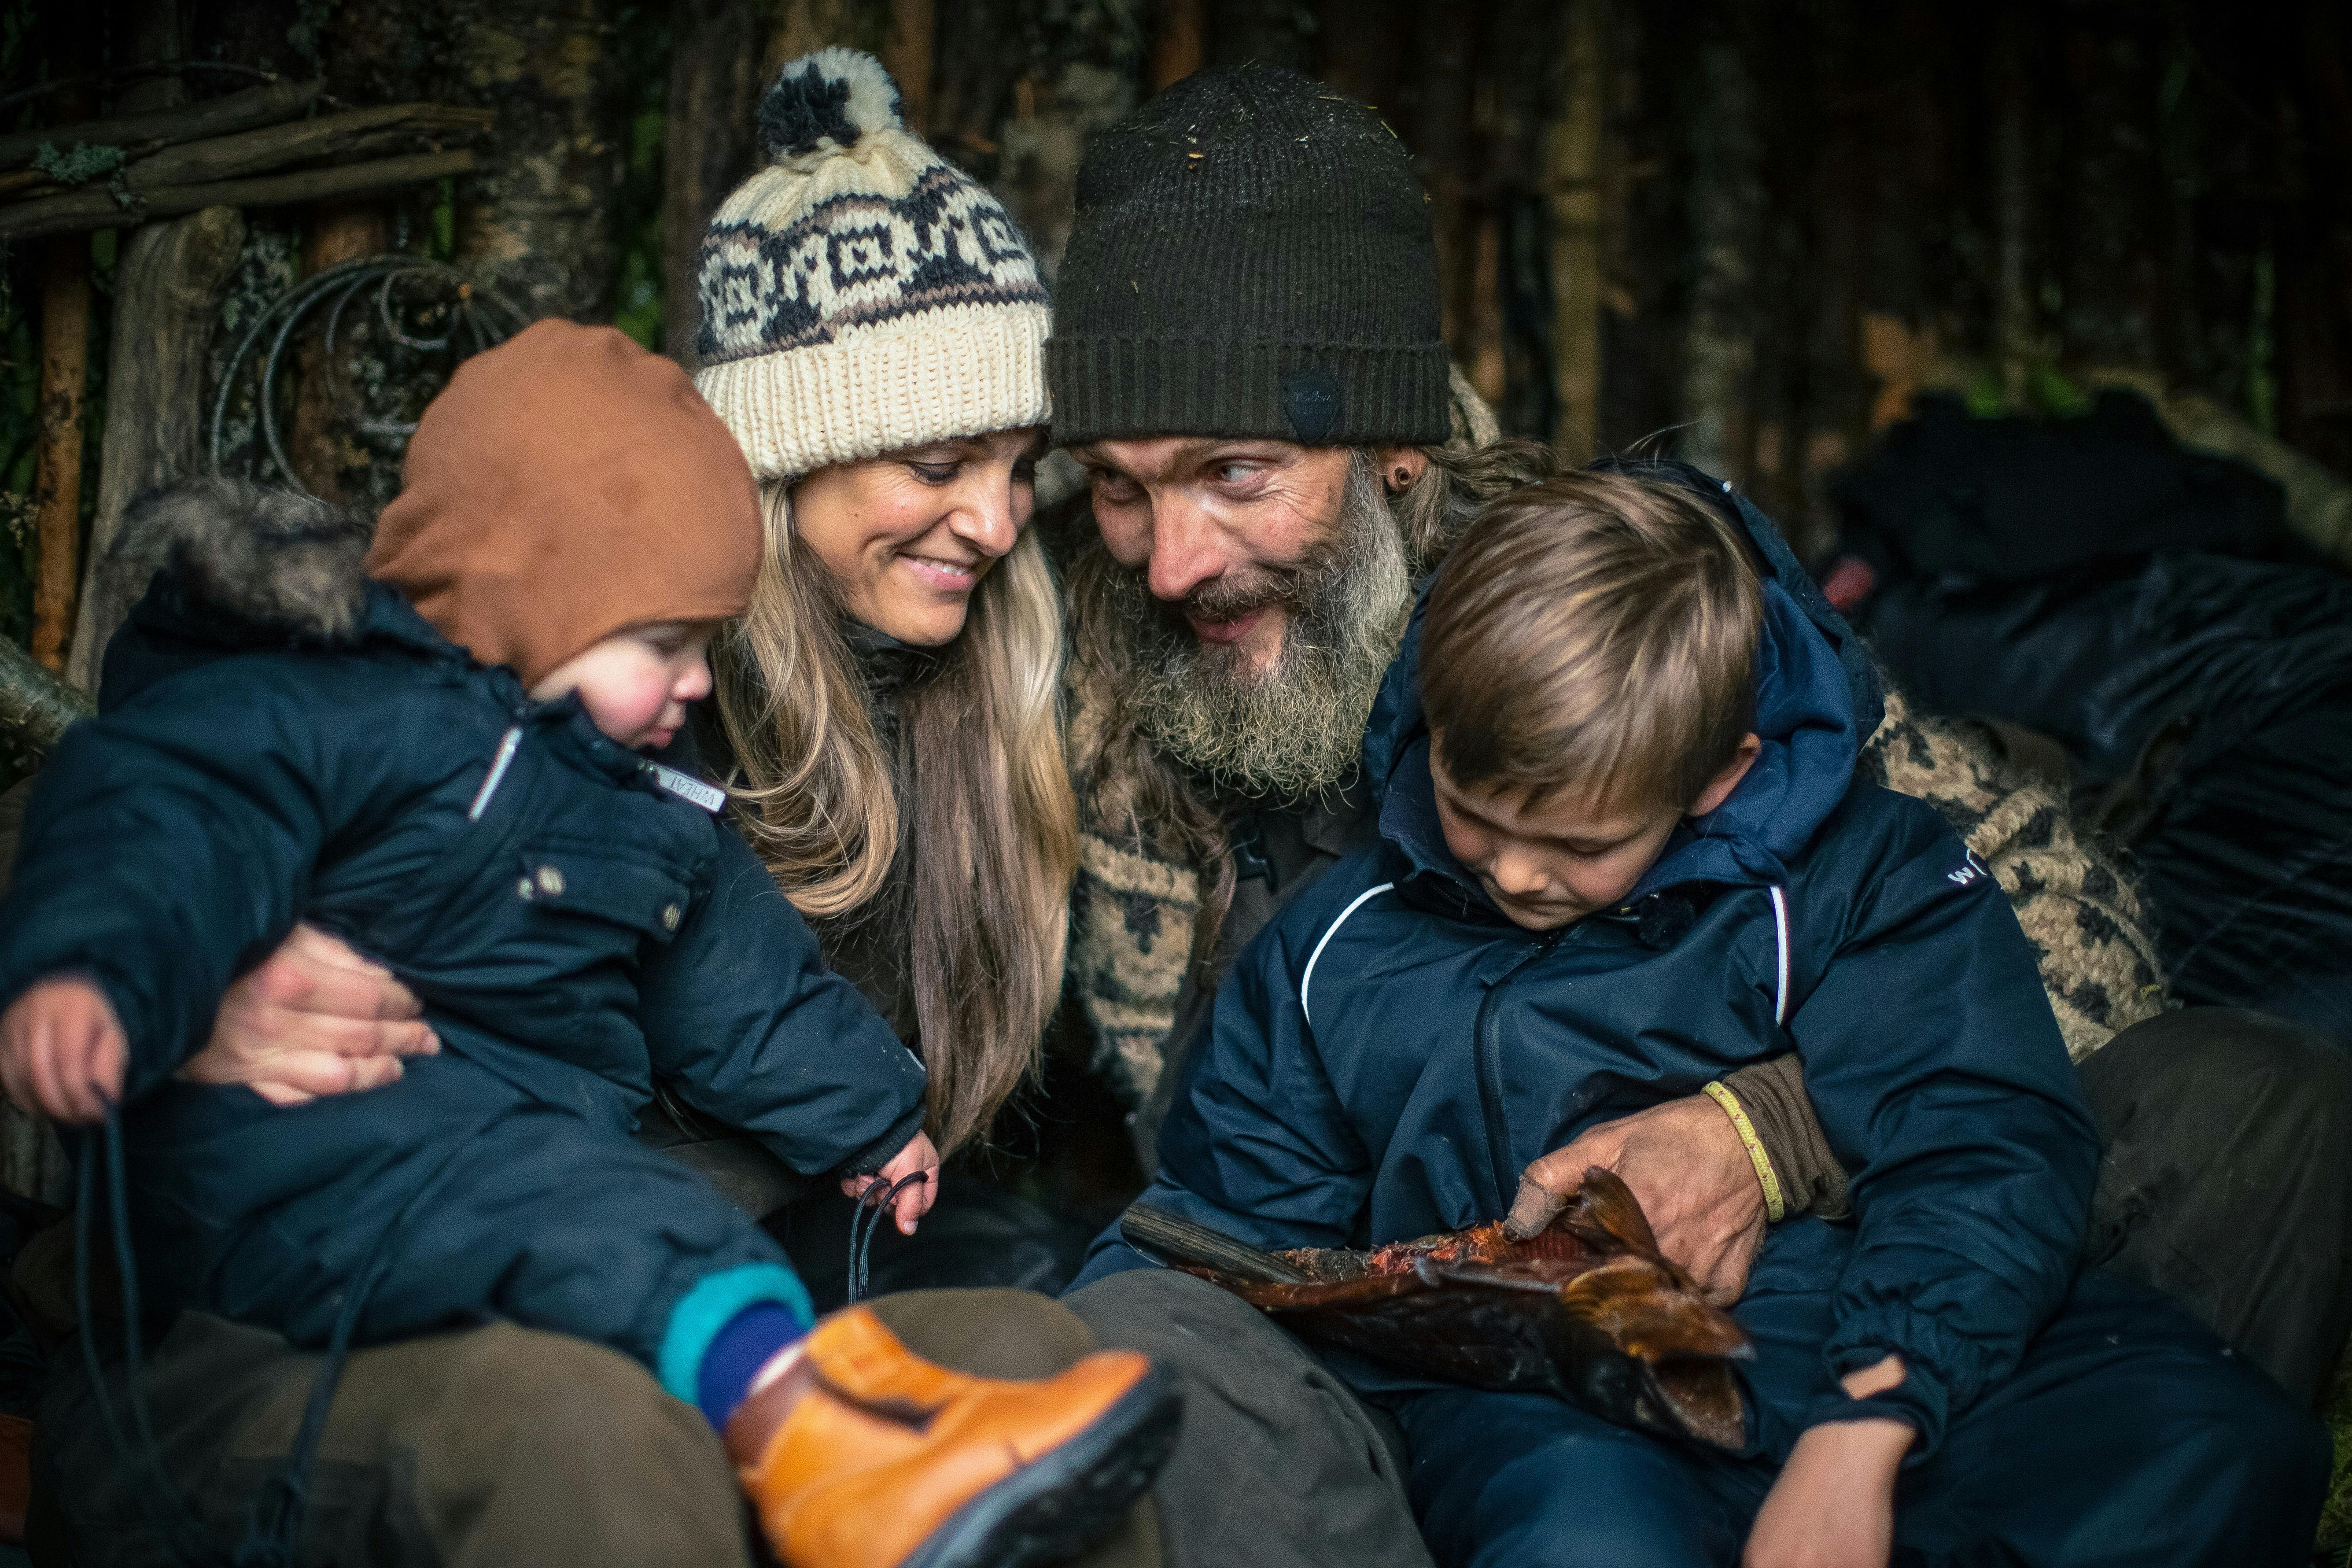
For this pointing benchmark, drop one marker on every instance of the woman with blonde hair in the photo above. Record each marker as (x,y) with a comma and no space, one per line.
(872,330)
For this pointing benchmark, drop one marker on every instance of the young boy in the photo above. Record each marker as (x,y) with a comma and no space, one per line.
(454,785)
(1623,853)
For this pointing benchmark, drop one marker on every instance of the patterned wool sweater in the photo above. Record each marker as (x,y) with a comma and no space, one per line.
(1132,915)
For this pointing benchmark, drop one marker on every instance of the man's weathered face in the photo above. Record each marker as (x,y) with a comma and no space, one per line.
(1262,590)
(1221,529)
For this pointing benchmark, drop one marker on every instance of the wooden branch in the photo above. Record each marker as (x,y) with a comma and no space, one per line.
(56,492)
(167,286)
(64,214)
(35,705)
(335,138)
(168,127)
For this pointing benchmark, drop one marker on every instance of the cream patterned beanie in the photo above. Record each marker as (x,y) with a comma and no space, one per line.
(860,294)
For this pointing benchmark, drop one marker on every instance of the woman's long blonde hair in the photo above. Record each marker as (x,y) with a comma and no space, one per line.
(990,826)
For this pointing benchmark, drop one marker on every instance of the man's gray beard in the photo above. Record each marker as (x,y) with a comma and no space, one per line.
(1297,726)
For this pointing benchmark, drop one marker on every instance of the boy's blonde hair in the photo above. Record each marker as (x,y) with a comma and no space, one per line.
(1594,633)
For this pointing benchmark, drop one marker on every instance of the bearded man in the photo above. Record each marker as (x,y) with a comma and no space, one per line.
(1246,361)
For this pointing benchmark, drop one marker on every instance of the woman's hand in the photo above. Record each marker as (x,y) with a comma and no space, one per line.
(916,1202)
(315,1019)
(62,1051)
(1833,1504)
(1686,1165)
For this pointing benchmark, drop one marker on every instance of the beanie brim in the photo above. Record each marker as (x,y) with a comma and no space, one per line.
(1315,394)
(935,376)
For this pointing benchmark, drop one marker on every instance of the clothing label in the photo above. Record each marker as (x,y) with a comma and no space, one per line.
(687,788)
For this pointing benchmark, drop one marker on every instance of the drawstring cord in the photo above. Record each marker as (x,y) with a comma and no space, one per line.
(274,1526)
(865,1220)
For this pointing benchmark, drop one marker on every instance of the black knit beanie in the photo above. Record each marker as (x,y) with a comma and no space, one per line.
(1252,257)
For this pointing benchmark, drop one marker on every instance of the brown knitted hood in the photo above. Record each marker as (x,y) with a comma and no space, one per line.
(566,485)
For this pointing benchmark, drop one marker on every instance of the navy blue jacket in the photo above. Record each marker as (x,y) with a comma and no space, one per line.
(583,932)
(1391,1053)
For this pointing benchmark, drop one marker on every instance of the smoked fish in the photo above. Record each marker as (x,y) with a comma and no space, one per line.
(1586,1310)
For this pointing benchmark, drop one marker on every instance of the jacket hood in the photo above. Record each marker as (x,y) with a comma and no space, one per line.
(230,566)
(1817,699)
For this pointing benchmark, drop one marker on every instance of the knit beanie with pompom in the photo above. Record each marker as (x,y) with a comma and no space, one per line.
(861,295)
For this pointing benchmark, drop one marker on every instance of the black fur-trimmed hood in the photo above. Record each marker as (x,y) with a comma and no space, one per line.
(232,551)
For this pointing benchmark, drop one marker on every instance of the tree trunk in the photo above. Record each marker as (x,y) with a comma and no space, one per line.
(1727,208)
(713,89)
(907,50)
(1574,148)
(796,27)
(1176,43)
(57,500)
(338,232)
(167,290)
(537,223)
(2013,177)
(1088,67)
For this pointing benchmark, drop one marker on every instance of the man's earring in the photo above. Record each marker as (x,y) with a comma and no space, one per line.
(1403,479)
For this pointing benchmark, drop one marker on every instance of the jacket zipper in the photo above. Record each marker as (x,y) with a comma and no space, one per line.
(1486,1037)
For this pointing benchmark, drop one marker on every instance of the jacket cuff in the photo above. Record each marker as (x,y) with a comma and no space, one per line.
(1918,1402)
(1943,1372)
(882,1150)
(1811,1179)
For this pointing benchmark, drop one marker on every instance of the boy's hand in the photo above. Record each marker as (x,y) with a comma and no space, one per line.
(62,1051)
(314,1020)
(1689,1172)
(1833,1504)
(917,1200)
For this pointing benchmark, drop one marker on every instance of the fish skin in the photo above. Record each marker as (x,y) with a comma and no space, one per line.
(1587,1309)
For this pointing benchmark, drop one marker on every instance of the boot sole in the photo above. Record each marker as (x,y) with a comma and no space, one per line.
(1068,1499)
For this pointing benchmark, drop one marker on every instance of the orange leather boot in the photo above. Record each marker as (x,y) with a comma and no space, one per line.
(891,1461)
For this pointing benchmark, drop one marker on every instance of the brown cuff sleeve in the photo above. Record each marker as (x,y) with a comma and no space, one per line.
(1774,1094)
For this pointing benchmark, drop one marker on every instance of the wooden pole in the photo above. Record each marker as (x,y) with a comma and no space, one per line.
(338,232)
(57,495)
(167,290)
(2012,198)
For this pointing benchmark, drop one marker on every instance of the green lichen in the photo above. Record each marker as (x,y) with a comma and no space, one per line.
(84,163)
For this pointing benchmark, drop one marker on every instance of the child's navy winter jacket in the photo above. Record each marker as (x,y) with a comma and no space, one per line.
(574,929)
(1391,1052)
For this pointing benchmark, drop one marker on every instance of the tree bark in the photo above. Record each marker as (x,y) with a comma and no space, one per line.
(538,224)
(337,138)
(338,232)
(714,47)
(349,180)
(907,50)
(169,127)
(167,290)
(797,28)
(1727,208)
(1176,43)
(64,371)
(34,709)
(2012,176)
(1574,148)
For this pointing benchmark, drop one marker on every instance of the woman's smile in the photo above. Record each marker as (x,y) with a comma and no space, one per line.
(945,575)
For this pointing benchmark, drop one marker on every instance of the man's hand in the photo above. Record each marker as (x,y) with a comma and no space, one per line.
(62,1051)
(917,1200)
(1833,1504)
(1686,1165)
(315,1019)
